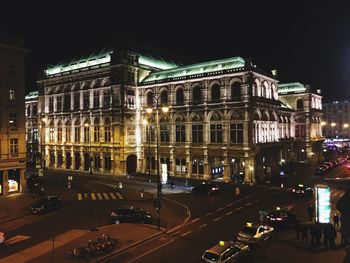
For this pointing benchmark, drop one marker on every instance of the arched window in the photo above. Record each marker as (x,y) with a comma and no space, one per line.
(107,127)
(300,104)
(236,91)
(197,95)
(164,98)
(215,93)
(179,97)
(149,99)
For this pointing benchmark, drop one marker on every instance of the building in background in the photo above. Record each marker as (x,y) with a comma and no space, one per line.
(12,122)
(32,129)
(227,118)
(336,123)
(307,120)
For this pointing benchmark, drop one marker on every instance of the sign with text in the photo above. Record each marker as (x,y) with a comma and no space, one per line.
(323,203)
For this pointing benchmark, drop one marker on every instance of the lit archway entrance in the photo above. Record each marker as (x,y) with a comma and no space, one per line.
(131,164)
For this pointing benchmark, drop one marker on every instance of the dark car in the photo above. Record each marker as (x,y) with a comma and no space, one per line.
(302,191)
(320,171)
(206,188)
(131,215)
(281,218)
(46,205)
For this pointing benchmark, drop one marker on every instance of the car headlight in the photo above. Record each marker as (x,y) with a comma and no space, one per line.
(113,214)
(148,216)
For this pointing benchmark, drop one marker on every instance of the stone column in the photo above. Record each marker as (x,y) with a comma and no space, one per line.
(249,169)
(5,182)
(226,167)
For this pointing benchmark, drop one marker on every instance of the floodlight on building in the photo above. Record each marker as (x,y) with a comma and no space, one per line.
(323,123)
(346,125)
(333,124)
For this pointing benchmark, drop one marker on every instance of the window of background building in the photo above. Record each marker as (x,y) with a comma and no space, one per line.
(68,134)
(96,99)
(197,133)
(76,101)
(236,133)
(13,119)
(215,133)
(107,133)
(164,133)
(59,103)
(96,133)
(86,134)
(179,97)
(67,102)
(77,134)
(180,132)
(197,95)
(12,95)
(52,134)
(51,104)
(59,134)
(86,100)
(35,134)
(14,145)
(106,99)
(150,133)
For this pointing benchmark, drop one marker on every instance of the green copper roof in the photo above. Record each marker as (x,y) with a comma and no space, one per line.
(92,60)
(148,60)
(293,87)
(205,67)
(32,95)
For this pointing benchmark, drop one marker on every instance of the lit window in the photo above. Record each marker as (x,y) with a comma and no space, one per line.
(14,145)
(12,94)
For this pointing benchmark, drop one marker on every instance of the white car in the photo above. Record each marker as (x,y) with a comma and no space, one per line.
(253,234)
(225,252)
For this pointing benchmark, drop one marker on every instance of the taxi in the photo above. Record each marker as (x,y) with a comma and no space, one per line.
(280,217)
(224,252)
(302,190)
(253,234)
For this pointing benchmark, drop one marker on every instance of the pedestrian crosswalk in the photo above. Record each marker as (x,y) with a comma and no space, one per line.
(99,196)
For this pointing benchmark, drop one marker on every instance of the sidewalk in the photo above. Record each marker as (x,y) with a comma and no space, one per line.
(128,235)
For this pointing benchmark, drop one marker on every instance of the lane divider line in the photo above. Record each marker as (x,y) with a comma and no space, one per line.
(185,234)
(229,213)
(208,214)
(221,208)
(217,219)
(204,225)
(194,220)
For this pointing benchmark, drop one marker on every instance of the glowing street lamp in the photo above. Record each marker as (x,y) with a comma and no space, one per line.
(333,124)
(323,123)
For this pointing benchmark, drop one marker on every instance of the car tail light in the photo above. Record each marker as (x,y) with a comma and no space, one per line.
(279,219)
(293,190)
(302,191)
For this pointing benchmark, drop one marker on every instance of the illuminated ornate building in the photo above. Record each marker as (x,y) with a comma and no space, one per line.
(225,119)
(12,131)
(307,120)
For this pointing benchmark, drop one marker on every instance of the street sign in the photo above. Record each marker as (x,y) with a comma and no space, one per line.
(40,172)
(323,203)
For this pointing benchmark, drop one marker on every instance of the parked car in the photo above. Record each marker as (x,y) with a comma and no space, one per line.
(320,171)
(281,218)
(208,188)
(225,251)
(253,234)
(46,205)
(302,191)
(131,215)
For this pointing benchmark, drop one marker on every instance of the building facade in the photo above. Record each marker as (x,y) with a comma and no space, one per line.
(12,131)
(225,118)
(336,119)
(32,128)
(307,120)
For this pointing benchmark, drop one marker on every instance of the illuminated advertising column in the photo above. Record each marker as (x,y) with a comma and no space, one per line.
(322,203)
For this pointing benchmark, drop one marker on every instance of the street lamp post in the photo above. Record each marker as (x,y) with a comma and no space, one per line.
(157,202)
(42,143)
(86,125)
(148,137)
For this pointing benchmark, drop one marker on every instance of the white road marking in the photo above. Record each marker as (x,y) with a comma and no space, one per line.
(194,220)
(80,197)
(105,195)
(185,234)
(16,239)
(239,208)
(208,214)
(119,195)
(202,226)
(229,213)
(217,219)
(93,196)
(99,196)
(228,205)
(248,204)
(113,196)
(219,209)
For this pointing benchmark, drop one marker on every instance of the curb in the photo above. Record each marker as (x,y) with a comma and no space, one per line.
(128,247)
(15,218)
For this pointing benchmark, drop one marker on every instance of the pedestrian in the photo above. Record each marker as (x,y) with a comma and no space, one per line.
(310,211)
(237,191)
(297,229)
(332,232)
(304,233)
(336,220)
(326,235)
(318,234)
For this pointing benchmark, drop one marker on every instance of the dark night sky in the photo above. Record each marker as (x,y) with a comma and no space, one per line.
(307,41)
